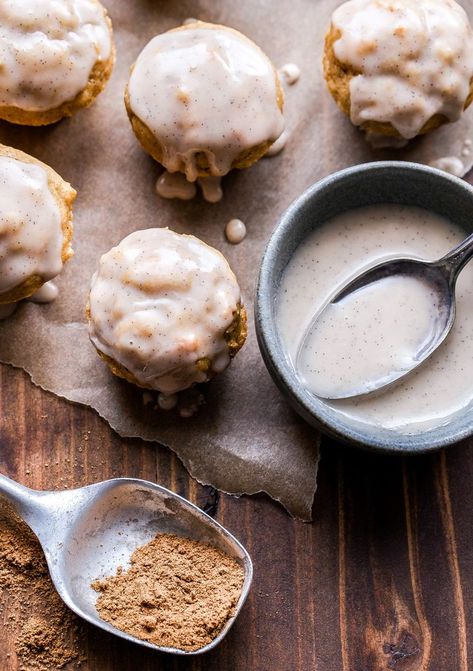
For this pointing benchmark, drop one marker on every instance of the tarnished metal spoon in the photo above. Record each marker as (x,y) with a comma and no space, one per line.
(441,277)
(87,533)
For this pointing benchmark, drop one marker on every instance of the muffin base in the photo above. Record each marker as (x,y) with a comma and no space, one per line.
(154,146)
(338,77)
(64,196)
(235,336)
(98,78)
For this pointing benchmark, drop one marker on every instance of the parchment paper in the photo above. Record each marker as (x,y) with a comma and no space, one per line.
(245,438)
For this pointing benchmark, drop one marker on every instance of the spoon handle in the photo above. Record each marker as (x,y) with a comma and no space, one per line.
(26,502)
(455,261)
(17,494)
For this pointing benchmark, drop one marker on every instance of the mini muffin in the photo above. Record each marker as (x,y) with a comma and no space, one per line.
(203,99)
(56,56)
(165,310)
(400,67)
(35,224)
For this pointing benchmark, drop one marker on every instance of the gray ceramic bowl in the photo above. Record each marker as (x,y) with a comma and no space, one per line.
(368,184)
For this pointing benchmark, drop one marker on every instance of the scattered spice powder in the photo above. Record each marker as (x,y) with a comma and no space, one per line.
(177,593)
(43,632)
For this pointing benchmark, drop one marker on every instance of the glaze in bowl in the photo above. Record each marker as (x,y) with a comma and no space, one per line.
(368,184)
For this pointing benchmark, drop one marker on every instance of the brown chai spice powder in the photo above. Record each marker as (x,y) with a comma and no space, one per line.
(39,632)
(177,593)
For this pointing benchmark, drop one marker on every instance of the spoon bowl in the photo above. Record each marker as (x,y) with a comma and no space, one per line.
(87,533)
(440,281)
(439,276)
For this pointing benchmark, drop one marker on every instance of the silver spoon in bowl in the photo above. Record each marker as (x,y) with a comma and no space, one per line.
(441,277)
(87,533)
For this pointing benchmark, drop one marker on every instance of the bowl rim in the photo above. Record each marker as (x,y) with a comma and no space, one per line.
(316,412)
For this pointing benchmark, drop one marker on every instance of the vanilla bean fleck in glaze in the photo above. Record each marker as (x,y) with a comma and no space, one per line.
(161,308)
(204,99)
(31,234)
(48,49)
(410,61)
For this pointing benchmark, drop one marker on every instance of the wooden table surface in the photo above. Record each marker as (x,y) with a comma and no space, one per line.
(382,579)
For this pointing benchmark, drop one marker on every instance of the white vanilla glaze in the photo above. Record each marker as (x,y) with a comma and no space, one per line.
(372,334)
(414,59)
(235,231)
(277,147)
(190,401)
(211,188)
(48,49)
(175,185)
(167,401)
(205,90)
(31,236)
(160,302)
(290,73)
(45,294)
(339,250)
(451,164)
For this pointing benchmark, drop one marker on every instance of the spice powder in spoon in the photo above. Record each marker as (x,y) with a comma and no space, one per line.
(177,593)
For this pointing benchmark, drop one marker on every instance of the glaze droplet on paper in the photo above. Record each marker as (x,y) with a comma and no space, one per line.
(235,231)
(45,294)
(450,164)
(175,185)
(211,188)
(167,401)
(290,73)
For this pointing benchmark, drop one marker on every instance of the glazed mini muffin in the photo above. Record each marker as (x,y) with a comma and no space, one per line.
(203,99)
(165,311)
(55,55)
(400,67)
(35,224)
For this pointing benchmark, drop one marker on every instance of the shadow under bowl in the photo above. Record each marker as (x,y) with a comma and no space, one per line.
(394,182)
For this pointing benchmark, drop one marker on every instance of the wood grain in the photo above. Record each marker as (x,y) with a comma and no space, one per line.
(381,580)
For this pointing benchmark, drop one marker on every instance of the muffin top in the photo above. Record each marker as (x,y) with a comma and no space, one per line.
(205,89)
(31,236)
(48,49)
(159,306)
(411,59)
